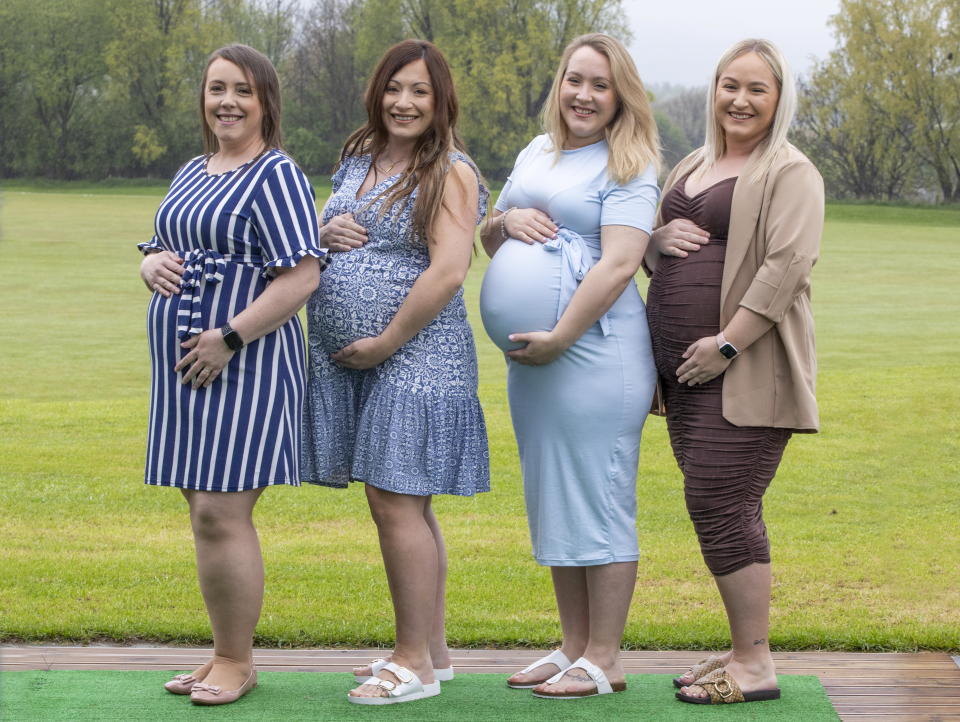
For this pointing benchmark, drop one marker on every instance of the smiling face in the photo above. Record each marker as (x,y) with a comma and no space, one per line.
(745,101)
(231,106)
(408,101)
(588,101)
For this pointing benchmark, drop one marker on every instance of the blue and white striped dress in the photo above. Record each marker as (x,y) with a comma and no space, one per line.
(231,229)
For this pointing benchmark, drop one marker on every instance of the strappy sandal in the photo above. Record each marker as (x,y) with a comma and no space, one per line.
(723,689)
(555,657)
(441,675)
(700,669)
(594,672)
(408,689)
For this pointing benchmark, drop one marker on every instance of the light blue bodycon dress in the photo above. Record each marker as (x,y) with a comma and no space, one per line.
(578,419)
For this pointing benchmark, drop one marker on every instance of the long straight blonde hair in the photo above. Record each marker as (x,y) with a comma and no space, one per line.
(632,136)
(715,143)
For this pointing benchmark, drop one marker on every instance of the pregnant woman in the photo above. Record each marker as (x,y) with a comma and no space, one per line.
(733,341)
(392,388)
(568,234)
(234,256)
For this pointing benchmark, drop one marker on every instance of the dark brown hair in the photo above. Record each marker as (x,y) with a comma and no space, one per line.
(262,77)
(430,163)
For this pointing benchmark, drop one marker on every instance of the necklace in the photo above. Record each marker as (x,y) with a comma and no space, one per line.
(377,167)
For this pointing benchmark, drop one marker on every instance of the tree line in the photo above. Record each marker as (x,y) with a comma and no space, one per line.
(97,88)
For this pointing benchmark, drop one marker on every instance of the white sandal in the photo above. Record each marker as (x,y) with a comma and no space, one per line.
(441,675)
(594,672)
(555,657)
(409,689)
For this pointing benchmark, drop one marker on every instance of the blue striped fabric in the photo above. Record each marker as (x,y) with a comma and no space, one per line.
(232,230)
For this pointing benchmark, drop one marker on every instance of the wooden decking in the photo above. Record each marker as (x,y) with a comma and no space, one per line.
(887,687)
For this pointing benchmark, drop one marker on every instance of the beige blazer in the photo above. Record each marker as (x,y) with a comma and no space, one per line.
(772,244)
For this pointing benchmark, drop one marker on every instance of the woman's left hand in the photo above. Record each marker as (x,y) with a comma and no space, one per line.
(206,359)
(364,353)
(703,362)
(542,348)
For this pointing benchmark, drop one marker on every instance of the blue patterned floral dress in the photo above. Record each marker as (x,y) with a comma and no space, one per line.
(413,424)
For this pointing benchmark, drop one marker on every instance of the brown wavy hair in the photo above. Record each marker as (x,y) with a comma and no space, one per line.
(430,163)
(262,76)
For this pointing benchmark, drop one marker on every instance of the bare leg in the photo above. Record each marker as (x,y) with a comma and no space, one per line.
(439,654)
(609,591)
(412,561)
(230,569)
(746,597)
(573,603)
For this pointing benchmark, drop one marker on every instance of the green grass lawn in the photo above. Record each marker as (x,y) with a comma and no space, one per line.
(863,517)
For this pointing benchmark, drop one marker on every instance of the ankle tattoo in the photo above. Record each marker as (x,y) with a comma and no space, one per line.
(758,641)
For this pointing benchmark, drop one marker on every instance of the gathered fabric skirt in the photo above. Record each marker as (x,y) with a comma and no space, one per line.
(410,425)
(577,420)
(726,468)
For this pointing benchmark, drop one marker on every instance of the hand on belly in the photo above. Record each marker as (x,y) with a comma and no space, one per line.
(520,292)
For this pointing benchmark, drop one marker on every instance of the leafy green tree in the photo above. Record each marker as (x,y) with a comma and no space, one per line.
(324,85)
(860,152)
(59,73)
(504,54)
(155,59)
(12,75)
(896,72)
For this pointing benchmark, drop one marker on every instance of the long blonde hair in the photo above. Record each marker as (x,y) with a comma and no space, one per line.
(632,136)
(715,143)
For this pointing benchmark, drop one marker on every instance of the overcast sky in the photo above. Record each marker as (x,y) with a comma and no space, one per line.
(679,41)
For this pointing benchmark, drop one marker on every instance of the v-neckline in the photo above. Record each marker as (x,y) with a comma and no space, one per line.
(357,196)
(683,186)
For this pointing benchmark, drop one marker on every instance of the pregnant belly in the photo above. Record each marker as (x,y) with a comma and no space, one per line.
(353,304)
(520,292)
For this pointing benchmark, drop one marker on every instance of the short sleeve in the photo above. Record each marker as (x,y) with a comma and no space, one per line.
(336,180)
(154,244)
(483,193)
(285,216)
(150,246)
(502,203)
(632,204)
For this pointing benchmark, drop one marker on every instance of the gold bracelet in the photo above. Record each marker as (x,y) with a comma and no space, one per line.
(503,223)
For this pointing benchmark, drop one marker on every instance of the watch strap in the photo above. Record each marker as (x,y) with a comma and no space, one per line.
(231,337)
(727,349)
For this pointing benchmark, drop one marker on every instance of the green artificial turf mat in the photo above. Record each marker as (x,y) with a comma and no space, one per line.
(292,696)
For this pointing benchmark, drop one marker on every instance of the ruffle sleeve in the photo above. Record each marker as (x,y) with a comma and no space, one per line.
(285,216)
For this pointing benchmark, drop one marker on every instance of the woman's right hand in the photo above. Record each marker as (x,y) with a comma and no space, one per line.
(342,233)
(161,272)
(529,225)
(678,237)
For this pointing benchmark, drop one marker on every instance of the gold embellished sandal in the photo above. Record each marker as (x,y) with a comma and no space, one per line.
(723,689)
(700,669)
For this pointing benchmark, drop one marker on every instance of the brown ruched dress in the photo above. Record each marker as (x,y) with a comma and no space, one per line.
(726,468)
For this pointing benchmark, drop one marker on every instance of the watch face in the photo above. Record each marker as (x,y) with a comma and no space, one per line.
(232,339)
(728,351)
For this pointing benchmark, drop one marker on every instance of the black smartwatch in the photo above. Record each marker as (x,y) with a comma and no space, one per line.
(231,337)
(727,349)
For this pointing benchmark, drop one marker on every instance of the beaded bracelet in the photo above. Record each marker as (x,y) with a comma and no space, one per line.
(503,223)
